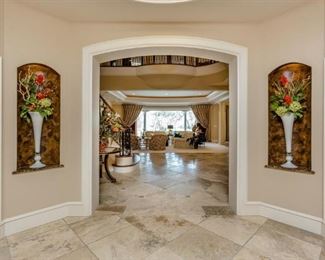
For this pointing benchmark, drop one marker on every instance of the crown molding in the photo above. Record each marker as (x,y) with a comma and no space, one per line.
(119,95)
(213,98)
(218,96)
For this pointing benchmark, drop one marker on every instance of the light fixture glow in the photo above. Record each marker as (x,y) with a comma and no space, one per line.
(162,1)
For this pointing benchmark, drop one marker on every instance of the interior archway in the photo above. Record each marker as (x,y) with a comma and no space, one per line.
(234,55)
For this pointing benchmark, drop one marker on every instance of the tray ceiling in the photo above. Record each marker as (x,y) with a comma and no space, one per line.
(193,11)
(166,98)
(169,93)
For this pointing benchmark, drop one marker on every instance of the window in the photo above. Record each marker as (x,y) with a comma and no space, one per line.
(159,121)
(190,120)
(140,127)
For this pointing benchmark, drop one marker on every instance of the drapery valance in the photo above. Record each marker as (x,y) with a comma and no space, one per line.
(131,113)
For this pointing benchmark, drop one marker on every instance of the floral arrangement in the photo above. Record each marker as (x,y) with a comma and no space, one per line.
(289,95)
(110,125)
(33,87)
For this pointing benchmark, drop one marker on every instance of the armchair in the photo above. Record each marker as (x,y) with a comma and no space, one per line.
(158,142)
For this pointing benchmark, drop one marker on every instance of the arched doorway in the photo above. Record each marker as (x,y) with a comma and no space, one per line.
(234,55)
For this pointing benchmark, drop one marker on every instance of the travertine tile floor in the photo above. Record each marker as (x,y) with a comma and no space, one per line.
(174,207)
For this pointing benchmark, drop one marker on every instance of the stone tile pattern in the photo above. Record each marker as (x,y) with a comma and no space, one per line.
(174,207)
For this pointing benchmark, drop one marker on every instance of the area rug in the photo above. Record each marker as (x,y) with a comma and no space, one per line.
(207,148)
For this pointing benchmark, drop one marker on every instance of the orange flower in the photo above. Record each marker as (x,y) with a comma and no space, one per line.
(287,99)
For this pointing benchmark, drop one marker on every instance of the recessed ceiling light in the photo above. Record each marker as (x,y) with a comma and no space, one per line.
(162,1)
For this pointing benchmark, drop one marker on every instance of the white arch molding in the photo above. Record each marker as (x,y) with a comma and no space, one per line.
(1,172)
(234,55)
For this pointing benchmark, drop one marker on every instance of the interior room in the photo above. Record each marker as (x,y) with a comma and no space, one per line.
(164,101)
(162,129)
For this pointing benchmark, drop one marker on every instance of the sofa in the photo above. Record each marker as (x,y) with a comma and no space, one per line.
(158,142)
(152,133)
(185,134)
(181,143)
(180,139)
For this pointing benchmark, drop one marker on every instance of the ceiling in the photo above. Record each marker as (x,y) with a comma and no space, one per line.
(224,11)
(165,98)
(164,93)
(162,77)
(165,84)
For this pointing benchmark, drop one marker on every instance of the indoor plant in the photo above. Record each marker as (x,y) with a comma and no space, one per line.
(110,127)
(37,105)
(288,103)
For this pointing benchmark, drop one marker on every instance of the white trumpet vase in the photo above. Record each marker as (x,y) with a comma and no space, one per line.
(37,120)
(287,121)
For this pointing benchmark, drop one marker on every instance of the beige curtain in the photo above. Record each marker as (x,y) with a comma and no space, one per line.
(131,113)
(202,114)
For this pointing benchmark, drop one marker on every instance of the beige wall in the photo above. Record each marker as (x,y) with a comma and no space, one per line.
(214,123)
(1,55)
(222,123)
(295,36)
(33,37)
(1,26)
(218,126)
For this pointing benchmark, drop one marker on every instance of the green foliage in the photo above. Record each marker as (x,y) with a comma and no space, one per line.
(110,124)
(36,95)
(289,95)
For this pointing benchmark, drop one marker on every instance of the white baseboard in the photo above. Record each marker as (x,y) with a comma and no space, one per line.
(290,217)
(39,217)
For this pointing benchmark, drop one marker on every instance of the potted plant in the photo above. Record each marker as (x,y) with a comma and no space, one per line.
(110,128)
(287,103)
(37,105)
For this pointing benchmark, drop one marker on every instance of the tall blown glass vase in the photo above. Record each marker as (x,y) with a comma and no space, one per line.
(287,121)
(37,121)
